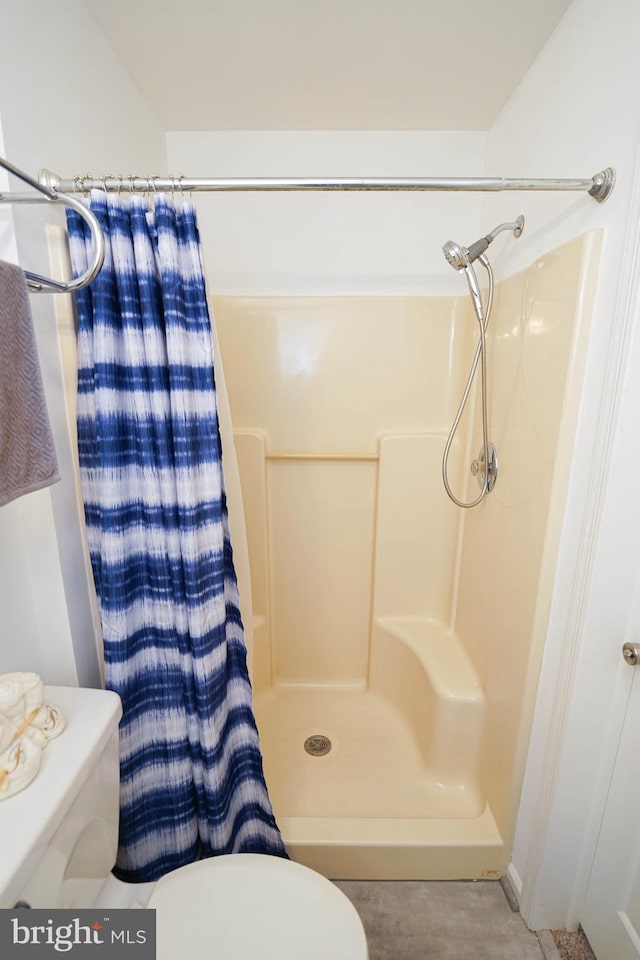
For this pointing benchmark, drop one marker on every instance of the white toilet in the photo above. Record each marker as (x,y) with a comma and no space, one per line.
(59,838)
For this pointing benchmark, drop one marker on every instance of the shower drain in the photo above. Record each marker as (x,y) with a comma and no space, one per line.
(318,745)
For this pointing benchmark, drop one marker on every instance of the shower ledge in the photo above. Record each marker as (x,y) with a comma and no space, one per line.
(440,654)
(423,669)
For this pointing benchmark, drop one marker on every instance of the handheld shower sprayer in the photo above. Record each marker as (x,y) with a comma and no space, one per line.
(460,257)
(485,467)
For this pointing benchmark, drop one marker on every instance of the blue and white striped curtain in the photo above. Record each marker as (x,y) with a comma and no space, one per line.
(192,783)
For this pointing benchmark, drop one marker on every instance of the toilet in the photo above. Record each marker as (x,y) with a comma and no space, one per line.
(59,841)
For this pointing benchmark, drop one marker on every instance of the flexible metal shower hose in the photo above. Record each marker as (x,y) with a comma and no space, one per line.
(482,315)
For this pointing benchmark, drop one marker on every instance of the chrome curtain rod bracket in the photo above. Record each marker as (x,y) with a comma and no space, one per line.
(603,184)
(599,186)
(48,194)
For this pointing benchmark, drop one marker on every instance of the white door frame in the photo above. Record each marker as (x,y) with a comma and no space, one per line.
(577,721)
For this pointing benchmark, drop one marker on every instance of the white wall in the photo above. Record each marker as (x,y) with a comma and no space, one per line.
(331,243)
(576,112)
(29,597)
(65,103)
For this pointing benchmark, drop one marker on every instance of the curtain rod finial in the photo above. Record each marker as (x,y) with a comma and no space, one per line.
(48,179)
(603,184)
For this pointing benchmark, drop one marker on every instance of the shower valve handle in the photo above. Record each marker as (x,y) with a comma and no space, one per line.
(478,468)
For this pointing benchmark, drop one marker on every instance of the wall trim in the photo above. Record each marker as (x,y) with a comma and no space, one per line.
(514,879)
(563,691)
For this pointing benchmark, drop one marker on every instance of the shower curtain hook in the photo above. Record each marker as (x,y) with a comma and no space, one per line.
(181,188)
(80,185)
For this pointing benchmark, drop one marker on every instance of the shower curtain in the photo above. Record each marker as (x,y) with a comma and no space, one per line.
(192,783)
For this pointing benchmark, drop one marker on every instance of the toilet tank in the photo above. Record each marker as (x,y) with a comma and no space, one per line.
(59,835)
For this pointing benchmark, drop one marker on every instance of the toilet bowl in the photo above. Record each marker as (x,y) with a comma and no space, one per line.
(249,906)
(59,842)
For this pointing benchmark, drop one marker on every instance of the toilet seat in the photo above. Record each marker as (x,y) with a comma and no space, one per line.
(254,907)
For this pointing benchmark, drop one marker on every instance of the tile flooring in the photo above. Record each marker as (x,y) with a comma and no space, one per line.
(440,920)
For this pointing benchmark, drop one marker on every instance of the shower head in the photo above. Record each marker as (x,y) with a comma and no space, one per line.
(456,255)
(460,257)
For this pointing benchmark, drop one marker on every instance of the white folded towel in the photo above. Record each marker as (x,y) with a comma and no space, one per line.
(27,724)
(18,766)
(23,711)
(20,693)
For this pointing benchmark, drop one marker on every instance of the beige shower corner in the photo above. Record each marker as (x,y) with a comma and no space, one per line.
(404,631)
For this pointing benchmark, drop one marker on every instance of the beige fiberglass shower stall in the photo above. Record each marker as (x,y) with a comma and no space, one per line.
(397,637)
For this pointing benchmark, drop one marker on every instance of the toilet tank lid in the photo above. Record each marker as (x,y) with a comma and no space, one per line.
(29,819)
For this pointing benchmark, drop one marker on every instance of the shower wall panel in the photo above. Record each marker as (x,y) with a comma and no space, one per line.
(415,550)
(330,375)
(340,406)
(321,533)
(537,344)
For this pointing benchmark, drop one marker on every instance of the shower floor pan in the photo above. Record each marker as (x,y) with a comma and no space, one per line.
(396,796)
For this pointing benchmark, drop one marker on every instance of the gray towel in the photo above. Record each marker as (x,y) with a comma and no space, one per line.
(27,453)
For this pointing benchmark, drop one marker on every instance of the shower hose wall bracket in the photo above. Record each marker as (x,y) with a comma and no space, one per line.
(478,468)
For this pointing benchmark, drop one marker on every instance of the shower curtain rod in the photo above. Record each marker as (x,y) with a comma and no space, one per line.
(43,194)
(599,186)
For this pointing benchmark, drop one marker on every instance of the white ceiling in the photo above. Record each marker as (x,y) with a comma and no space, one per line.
(331,65)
